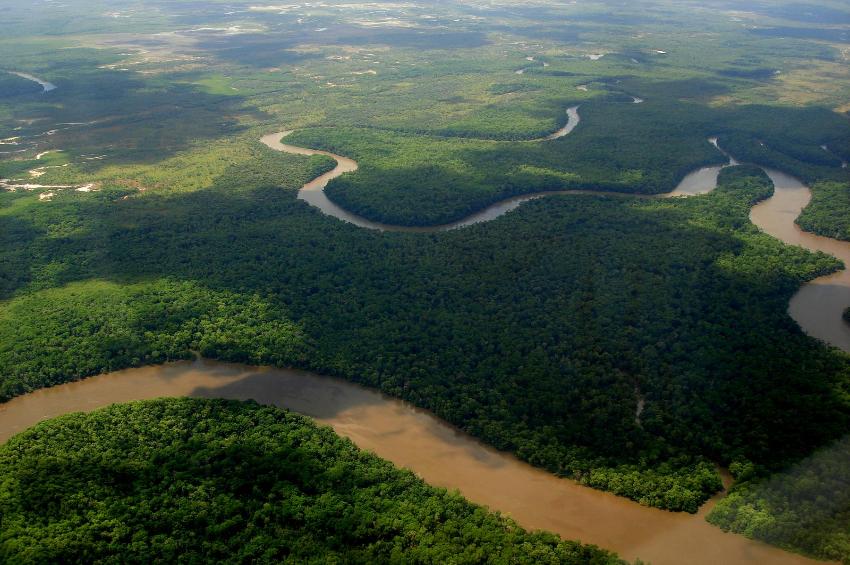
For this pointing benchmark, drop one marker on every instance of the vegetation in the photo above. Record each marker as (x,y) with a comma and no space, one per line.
(13,85)
(827,212)
(804,509)
(91,328)
(199,481)
(424,180)
(544,362)
(541,332)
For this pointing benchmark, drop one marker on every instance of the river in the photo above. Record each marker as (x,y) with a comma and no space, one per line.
(443,456)
(817,307)
(819,304)
(699,182)
(437,452)
(45,86)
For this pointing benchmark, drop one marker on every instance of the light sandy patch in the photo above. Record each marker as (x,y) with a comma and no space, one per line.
(49,151)
(230,30)
(40,171)
(280,8)
(385,22)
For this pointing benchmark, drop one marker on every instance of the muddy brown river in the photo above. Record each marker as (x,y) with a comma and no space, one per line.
(701,181)
(817,307)
(435,451)
(443,456)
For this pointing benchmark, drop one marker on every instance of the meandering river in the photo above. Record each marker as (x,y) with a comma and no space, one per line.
(819,304)
(313,192)
(444,456)
(817,307)
(699,182)
(45,86)
(416,439)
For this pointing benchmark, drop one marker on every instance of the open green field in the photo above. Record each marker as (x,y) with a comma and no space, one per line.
(162,226)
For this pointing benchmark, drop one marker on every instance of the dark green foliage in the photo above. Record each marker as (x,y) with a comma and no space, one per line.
(13,85)
(84,330)
(207,481)
(805,509)
(539,332)
(827,213)
(531,332)
(410,179)
(415,180)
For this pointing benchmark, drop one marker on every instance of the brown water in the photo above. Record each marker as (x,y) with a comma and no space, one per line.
(701,181)
(818,305)
(442,455)
(435,451)
(573,119)
(313,192)
(704,180)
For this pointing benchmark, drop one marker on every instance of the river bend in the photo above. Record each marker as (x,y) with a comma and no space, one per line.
(817,307)
(45,86)
(444,456)
(434,450)
(699,182)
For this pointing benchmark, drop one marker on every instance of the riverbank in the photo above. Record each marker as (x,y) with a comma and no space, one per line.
(437,452)
(817,307)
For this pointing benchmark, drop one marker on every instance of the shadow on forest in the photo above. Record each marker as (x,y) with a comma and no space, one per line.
(607,151)
(568,303)
(133,119)
(331,400)
(257,50)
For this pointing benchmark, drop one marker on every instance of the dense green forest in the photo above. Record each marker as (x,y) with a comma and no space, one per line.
(13,85)
(95,327)
(541,333)
(546,362)
(201,481)
(427,180)
(806,508)
(827,213)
